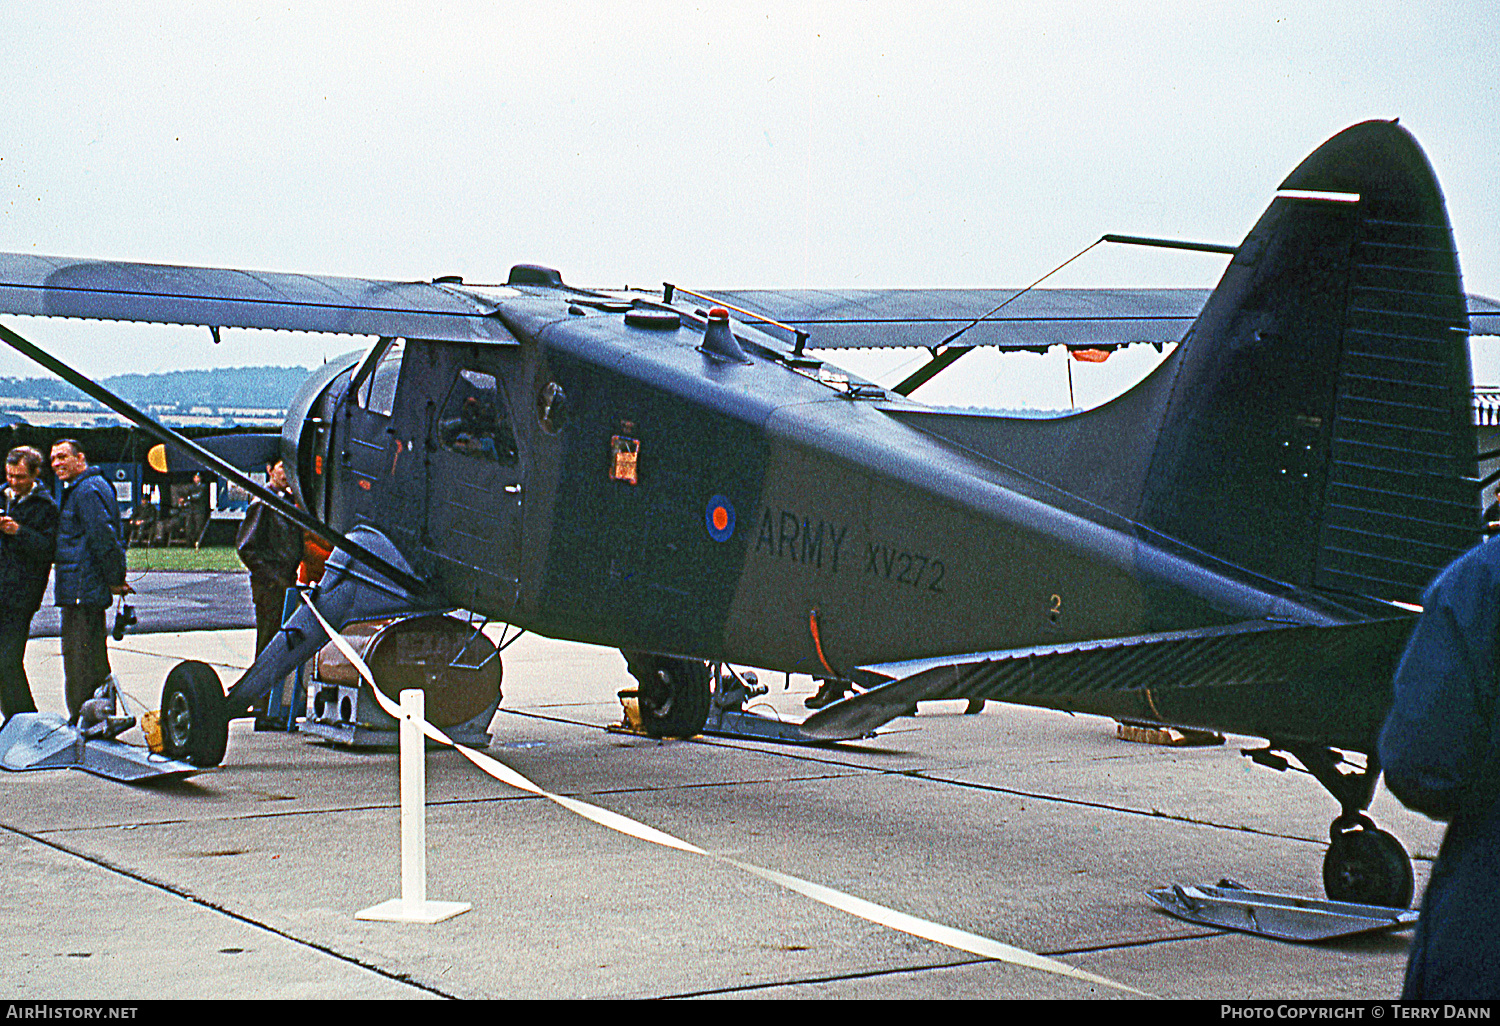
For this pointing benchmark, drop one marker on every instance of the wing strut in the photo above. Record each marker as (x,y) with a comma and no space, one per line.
(944,354)
(942,360)
(165,434)
(939,362)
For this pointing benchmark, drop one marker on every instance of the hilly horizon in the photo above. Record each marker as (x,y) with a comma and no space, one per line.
(264,387)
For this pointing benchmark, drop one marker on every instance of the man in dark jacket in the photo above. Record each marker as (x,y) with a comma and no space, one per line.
(1440,749)
(28,532)
(194,503)
(90,570)
(271,547)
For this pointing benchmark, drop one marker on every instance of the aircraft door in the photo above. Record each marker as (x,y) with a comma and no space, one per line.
(475,493)
(368,449)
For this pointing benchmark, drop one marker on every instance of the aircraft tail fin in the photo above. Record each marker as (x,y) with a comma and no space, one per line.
(1318,428)
(1315,424)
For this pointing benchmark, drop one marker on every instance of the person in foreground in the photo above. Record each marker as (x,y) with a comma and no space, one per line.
(89,572)
(271,547)
(28,532)
(1441,754)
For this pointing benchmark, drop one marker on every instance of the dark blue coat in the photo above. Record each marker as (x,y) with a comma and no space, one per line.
(1441,753)
(89,558)
(26,556)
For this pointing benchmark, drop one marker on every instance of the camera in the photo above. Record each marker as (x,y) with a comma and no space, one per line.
(124,617)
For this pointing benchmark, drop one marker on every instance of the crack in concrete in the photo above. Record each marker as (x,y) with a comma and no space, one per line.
(842,770)
(1102,806)
(201,902)
(396,805)
(850,770)
(930,775)
(767,985)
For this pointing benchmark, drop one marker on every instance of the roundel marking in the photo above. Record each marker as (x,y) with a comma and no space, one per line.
(719,518)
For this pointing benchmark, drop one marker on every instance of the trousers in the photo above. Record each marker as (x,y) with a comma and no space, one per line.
(15,689)
(85,657)
(269,595)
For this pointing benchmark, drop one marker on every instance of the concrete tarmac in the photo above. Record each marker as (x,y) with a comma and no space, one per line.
(171,600)
(1036,829)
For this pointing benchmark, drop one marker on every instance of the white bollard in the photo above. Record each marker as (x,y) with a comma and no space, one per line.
(413,906)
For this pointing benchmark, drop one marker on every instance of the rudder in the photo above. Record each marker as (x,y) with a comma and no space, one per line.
(1318,429)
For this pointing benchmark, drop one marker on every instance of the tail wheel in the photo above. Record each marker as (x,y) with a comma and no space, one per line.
(1367,866)
(194,724)
(674,693)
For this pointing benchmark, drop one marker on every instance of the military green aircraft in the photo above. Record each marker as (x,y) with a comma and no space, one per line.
(1237,543)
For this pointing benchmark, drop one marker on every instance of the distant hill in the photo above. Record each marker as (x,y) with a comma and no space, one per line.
(263,387)
(267,387)
(39,388)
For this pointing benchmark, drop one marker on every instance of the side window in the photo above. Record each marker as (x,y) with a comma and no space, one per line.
(378,393)
(474,420)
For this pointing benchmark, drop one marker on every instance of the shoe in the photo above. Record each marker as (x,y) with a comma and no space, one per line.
(829,691)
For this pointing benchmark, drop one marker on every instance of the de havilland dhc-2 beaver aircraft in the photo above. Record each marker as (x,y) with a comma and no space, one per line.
(1238,543)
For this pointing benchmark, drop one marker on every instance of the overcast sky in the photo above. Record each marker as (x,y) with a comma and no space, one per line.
(750,145)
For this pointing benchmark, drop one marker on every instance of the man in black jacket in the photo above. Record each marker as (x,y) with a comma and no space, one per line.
(271,547)
(28,532)
(90,570)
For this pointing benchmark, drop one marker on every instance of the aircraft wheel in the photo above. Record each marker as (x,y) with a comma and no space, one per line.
(1367,866)
(193,721)
(674,694)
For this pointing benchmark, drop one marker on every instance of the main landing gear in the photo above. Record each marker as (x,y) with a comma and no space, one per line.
(674,693)
(1364,865)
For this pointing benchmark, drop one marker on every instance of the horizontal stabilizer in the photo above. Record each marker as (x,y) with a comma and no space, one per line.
(1265,670)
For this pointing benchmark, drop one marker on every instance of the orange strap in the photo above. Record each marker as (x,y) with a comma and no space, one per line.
(812,623)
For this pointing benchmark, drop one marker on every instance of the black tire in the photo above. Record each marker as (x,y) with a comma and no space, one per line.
(193,721)
(674,693)
(1368,867)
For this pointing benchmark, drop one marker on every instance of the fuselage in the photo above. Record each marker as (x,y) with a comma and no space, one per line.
(632,490)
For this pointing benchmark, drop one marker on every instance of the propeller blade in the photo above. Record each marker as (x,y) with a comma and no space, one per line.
(248,452)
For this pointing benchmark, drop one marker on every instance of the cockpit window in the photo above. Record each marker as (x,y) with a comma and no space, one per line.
(378,393)
(474,420)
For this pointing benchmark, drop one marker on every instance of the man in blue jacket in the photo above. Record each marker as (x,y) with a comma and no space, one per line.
(89,570)
(28,535)
(1440,749)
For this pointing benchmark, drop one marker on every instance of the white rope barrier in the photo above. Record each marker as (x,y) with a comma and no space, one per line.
(413,906)
(949,936)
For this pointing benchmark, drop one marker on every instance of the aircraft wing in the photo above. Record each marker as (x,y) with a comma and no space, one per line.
(838,319)
(1265,677)
(164,294)
(896,318)
(1484,315)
